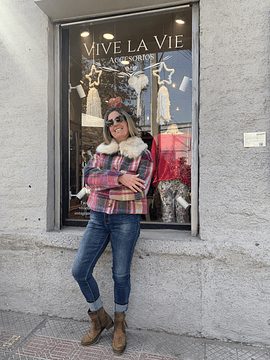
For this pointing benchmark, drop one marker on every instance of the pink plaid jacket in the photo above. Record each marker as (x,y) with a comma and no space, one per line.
(107,165)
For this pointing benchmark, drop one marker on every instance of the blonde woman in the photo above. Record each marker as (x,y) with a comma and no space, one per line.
(119,176)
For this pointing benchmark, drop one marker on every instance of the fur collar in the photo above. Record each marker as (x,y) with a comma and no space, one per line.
(132,147)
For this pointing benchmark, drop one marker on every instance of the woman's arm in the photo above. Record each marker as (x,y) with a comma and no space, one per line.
(142,181)
(96,177)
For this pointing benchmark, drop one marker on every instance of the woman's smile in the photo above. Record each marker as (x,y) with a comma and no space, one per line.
(119,131)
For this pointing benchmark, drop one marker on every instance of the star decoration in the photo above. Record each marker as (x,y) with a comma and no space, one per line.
(93,73)
(157,72)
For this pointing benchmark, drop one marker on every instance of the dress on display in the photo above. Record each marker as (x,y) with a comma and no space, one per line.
(171,154)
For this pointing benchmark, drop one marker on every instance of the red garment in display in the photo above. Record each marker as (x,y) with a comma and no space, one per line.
(172,158)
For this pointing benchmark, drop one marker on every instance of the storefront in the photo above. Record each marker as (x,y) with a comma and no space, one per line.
(195,78)
(145,59)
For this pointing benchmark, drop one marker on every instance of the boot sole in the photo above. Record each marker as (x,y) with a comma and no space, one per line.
(92,342)
(119,352)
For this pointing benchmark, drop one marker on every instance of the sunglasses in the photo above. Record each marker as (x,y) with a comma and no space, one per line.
(118,119)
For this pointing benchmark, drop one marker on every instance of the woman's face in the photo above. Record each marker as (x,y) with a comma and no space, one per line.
(119,131)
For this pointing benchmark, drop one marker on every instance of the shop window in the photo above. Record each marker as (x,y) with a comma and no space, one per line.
(145,59)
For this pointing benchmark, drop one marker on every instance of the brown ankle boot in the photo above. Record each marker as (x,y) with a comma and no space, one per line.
(119,336)
(100,321)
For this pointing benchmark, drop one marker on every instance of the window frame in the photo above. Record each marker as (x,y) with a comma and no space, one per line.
(61,134)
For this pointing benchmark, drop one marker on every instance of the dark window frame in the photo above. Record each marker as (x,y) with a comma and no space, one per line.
(64,126)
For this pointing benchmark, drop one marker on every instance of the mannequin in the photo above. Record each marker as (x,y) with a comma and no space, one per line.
(173,129)
(171,153)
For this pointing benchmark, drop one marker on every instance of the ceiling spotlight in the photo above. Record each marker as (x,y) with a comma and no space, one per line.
(85,33)
(125,62)
(180,21)
(108,36)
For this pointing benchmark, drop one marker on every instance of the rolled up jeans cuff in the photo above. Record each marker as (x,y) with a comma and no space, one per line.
(120,308)
(96,305)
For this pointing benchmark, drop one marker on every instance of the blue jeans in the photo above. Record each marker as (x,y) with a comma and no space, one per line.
(123,231)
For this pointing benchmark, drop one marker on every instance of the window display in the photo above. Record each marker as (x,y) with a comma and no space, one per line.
(145,60)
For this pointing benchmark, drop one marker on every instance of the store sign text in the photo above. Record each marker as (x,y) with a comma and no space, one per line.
(175,42)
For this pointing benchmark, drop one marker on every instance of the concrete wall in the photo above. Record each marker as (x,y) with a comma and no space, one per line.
(24,52)
(234,99)
(216,285)
(234,181)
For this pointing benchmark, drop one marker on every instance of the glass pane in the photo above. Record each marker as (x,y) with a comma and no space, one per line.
(147,61)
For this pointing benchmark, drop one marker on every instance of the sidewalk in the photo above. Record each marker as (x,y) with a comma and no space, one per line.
(31,337)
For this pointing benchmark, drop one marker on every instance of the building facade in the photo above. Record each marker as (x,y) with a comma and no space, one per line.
(206,274)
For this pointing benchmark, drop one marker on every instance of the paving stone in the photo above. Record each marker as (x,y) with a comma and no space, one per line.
(22,357)
(174,346)
(253,354)
(16,323)
(8,343)
(58,349)
(65,329)
(30,337)
(222,352)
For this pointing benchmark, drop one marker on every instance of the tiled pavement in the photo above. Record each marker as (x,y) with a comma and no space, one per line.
(30,337)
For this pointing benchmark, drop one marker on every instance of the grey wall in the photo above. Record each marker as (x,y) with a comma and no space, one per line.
(216,285)
(234,181)
(234,99)
(24,54)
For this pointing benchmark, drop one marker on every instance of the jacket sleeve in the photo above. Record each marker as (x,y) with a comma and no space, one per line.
(99,179)
(144,170)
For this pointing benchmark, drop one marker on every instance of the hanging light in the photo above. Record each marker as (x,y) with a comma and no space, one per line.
(85,33)
(108,36)
(180,19)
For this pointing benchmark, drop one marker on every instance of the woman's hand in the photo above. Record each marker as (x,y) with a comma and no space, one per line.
(133,182)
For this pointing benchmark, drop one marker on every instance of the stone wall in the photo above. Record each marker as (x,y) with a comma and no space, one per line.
(234,99)
(26,44)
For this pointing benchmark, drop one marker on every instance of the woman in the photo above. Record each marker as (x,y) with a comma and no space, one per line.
(119,176)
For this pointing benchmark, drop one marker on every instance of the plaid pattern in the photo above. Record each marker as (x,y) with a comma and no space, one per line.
(106,193)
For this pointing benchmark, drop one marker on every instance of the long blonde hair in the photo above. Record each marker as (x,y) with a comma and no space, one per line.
(130,123)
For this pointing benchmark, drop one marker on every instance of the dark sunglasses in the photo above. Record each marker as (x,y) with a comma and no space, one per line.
(118,119)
